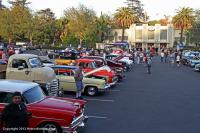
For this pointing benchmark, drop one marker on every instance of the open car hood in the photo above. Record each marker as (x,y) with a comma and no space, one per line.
(98,69)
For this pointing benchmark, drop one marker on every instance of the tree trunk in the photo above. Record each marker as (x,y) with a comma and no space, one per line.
(31,40)
(80,42)
(9,41)
(122,34)
(181,38)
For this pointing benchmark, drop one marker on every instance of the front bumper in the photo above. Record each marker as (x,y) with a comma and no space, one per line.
(77,125)
(105,88)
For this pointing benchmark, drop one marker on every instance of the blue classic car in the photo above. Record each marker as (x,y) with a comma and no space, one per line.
(194,61)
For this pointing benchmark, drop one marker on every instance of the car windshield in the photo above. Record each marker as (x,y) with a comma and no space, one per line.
(33,95)
(35,62)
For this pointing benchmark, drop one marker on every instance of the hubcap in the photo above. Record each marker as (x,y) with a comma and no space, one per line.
(50,128)
(91,91)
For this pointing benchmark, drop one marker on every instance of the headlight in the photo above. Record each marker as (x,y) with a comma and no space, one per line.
(48,85)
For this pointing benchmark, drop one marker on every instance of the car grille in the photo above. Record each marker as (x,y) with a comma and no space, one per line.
(54,87)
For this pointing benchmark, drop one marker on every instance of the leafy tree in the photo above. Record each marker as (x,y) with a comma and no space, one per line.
(124,18)
(137,8)
(6,26)
(183,20)
(81,21)
(153,22)
(22,3)
(43,28)
(194,32)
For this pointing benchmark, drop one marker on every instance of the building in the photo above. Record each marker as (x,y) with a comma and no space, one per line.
(145,36)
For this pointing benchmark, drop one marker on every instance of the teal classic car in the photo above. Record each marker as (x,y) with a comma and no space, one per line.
(92,86)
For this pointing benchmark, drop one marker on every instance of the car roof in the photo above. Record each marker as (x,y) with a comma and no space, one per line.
(63,67)
(16,85)
(23,56)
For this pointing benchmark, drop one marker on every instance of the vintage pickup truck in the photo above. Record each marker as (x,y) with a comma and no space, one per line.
(62,115)
(28,67)
(65,75)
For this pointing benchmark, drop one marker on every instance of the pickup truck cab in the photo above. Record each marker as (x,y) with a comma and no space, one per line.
(28,67)
(61,114)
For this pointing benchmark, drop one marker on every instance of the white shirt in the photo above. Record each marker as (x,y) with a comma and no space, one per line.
(162,54)
(178,58)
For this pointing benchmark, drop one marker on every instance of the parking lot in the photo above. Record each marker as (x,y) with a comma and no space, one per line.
(167,101)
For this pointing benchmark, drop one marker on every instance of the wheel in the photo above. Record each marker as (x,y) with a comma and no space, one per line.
(91,91)
(53,128)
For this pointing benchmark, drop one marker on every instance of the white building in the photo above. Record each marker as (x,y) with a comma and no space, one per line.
(144,36)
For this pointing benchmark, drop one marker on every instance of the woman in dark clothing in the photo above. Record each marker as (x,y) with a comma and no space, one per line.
(15,115)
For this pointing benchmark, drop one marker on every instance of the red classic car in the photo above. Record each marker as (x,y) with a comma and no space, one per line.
(61,114)
(100,61)
(88,65)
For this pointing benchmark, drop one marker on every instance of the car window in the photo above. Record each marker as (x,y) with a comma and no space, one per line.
(33,95)
(35,62)
(16,63)
(5,97)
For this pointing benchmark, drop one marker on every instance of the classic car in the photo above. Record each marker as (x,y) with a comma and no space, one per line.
(194,61)
(66,58)
(60,114)
(197,67)
(100,62)
(65,75)
(120,59)
(88,65)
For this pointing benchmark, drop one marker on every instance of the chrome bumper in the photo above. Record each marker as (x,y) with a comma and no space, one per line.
(105,88)
(113,83)
(76,126)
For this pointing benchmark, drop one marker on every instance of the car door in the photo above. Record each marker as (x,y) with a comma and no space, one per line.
(67,82)
(18,69)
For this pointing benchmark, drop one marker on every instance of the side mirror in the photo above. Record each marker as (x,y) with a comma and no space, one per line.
(20,68)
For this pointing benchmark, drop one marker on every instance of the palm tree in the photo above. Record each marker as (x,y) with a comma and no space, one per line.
(183,20)
(124,17)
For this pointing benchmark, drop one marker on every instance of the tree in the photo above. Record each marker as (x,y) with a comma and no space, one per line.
(22,3)
(44,28)
(153,22)
(194,32)
(137,8)
(183,20)
(81,22)
(124,18)
(6,27)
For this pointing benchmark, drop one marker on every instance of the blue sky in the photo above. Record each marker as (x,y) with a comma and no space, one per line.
(155,8)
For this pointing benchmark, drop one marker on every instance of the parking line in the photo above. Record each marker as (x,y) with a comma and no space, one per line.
(114,90)
(101,100)
(97,117)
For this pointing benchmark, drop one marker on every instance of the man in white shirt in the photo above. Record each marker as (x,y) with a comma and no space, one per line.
(162,54)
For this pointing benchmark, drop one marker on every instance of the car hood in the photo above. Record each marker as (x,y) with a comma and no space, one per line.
(98,69)
(43,74)
(60,104)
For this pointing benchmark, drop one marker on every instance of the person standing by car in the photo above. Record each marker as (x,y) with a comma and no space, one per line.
(15,115)
(78,76)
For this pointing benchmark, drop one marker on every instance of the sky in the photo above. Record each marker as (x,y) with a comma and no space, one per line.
(156,9)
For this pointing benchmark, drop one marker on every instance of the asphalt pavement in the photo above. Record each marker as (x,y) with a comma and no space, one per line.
(166,101)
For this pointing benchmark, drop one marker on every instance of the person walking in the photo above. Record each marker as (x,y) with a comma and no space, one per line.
(149,62)
(178,60)
(162,54)
(15,115)
(78,76)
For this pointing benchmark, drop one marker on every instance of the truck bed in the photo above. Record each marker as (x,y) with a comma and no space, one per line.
(2,71)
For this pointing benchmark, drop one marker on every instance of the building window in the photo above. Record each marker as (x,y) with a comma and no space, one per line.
(150,34)
(163,35)
(138,34)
